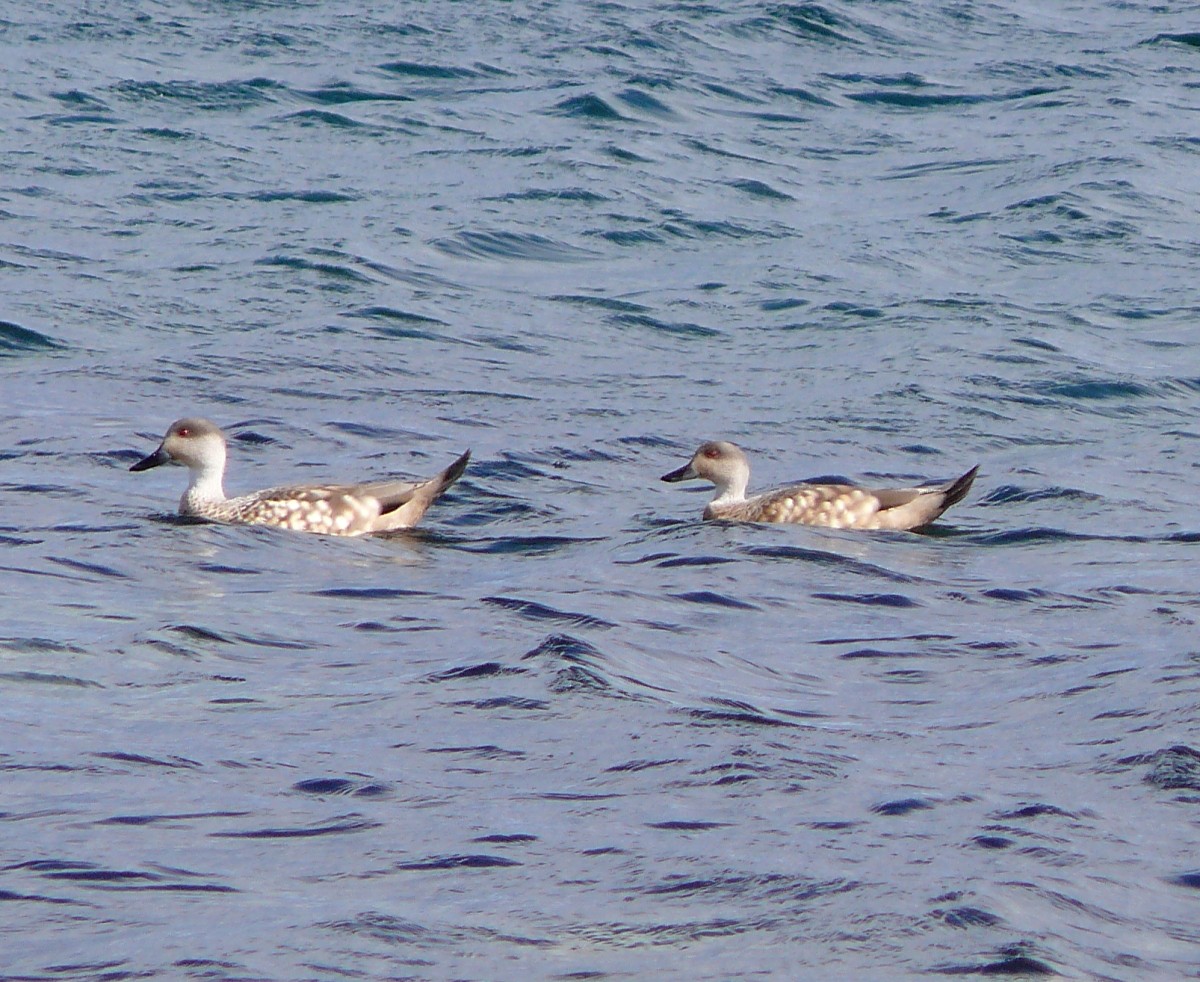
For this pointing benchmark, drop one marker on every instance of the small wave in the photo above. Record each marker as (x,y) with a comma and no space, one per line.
(870,599)
(82,567)
(308,832)
(564,647)
(487,751)
(15,340)
(646,103)
(684,825)
(520,703)
(684,328)
(308,197)
(139,820)
(130,758)
(523,545)
(1013,494)
(760,189)
(694,561)
(39,645)
(902,806)
(392,314)
(1031,536)
(880,653)
(604,303)
(334,271)
(1191,39)
(417,69)
(344,92)
(714,599)
(44,678)
(917,100)
(308,117)
(828,559)
(370,593)
(1011,962)
(587,107)
(487,669)
(204,95)
(733,716)
(552,194)
(196,633)
(511,245)
(1093,389)
(165,133)
(459,862)
(532,610)
(344,786)
(1176,768)
(631,766)
(1035,810)
(810,20)
(88,874)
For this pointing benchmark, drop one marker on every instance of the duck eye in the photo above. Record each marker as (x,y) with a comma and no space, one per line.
(712,453)
(183,431)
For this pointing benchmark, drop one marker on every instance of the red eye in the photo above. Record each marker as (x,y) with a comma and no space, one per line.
(712,453)
(183,431)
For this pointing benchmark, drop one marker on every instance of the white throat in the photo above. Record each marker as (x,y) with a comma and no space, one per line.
(206,485)
(732,488)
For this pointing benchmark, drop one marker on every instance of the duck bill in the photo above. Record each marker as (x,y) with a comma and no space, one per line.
(160,456)
(684,473)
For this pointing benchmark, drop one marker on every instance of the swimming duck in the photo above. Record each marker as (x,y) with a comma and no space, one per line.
(327,509)
(830,505)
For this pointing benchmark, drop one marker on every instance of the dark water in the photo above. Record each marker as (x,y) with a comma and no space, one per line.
(564,730)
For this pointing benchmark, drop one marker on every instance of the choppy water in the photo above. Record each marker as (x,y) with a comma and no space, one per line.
(565,730)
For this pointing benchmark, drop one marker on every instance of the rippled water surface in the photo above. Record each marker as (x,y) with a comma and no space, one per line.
(564,729)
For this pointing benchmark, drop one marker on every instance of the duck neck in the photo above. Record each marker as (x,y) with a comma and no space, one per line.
(206,486)
(733,490)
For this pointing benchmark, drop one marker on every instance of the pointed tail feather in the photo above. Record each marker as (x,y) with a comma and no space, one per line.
(957,489)
(407,508)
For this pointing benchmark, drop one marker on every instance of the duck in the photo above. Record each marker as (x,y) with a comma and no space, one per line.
(839,506)
(325,509)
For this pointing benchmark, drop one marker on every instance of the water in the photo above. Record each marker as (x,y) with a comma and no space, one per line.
(564,729)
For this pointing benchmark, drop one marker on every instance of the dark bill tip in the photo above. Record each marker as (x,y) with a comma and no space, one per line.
(160,456)
(683,473)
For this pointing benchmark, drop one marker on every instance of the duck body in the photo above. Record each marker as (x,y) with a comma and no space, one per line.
(843,506)
(325,509)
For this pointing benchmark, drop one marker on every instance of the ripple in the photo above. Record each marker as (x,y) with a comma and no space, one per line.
(523,545)
(489,669)
(589,107)
(343,786)
(902,806)
(418,69)
(760,189)
(331,828)
(685,329)
(207,96)
(525,246)
(460,862)
(16,340)
(341,93)
(819,558)
(870,599)
(531,610)
(713,599)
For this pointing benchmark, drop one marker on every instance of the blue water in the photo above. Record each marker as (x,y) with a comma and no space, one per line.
(564,729)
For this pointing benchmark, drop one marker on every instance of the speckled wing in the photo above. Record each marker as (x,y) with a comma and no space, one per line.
(826,505)
(326,510)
